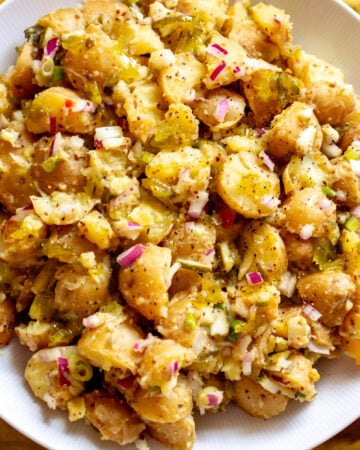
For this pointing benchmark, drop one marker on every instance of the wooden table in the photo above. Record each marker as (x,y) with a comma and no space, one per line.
(349,439)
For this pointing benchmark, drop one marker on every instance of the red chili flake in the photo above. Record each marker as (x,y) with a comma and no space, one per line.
(227,217)
(69,103)
(53,125)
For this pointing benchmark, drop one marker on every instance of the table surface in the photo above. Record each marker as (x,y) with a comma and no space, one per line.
(348,439)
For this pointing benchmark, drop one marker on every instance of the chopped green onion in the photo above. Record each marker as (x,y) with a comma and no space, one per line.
(50,164)
(236,327)
(352,224)
(58,73)
(190,322)
(80,369)
(328,192)
(351,153)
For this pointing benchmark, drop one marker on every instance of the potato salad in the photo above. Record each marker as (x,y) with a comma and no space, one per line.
(180,214)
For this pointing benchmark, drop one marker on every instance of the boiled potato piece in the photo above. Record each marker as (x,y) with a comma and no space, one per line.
(331,293)
(309,213)
(111,343)
(177,435)
(144,284)
(257,401)
(295,130)
(111,415)
(82,290)
(7,320)
(56,109)
(247,186)
(54,376)
(161,362)
(163,408)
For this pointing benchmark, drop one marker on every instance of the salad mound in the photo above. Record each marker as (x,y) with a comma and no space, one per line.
(180,214)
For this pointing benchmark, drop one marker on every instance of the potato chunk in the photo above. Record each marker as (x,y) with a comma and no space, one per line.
(177,435)
(110,414)
(295,130)
(111,343)
(163,408)
(56,109)
(7,320)
(54,376)
(247,186)
(309,213)
(257,401)
(144,284)
(330,292)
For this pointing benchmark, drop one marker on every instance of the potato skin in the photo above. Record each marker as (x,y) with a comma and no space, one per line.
(330,293)
(111,415)
(177,435)
(144,284)
(67,174)
(7,320)
(256,400)
(309,208)
(160,408)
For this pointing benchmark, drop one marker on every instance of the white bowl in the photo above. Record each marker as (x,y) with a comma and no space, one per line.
(328,29)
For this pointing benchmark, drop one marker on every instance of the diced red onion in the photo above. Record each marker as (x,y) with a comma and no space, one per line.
(237,69)
(246,365)
(138,347)
(126,383)
(277,19)
(210,252)
(214,399)
(174,367)
(316,348)
(98,143)
(306,231)
(325,204)
(216,50)
(63,371)
(222,109)
(52,125)
(197,204)
(265,158)
(184,174)
(141,444)
(341,195)
(55,143)
(84,106)
(92,321)
(269,201)
(311,312)
(356,212)
(52,47)
(260,131)
(102,133)
(355,166)
(172,271)
(50,354)
(217,70)
(134,226)
(129,256)
(254,278)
